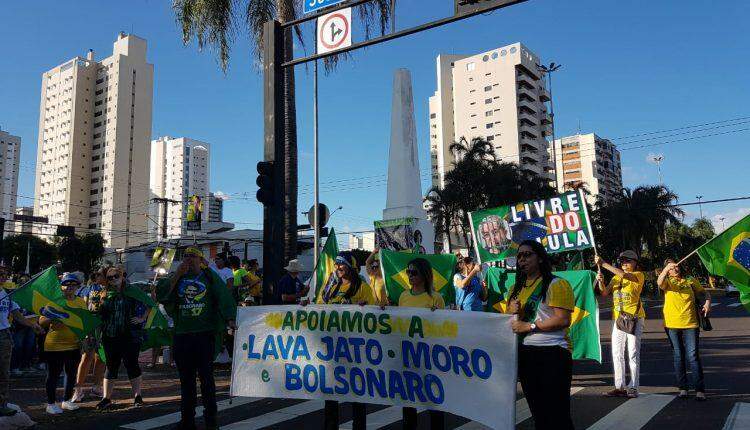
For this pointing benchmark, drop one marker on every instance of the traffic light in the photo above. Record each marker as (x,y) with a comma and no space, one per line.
(265,183)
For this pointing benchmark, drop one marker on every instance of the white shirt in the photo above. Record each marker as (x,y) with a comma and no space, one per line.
(224,273)
(6,307)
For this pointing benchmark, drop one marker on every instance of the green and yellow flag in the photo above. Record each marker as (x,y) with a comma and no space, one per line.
(43,296)
(728,255)
(326,263)
(156,326)
(393,264)
(584,326)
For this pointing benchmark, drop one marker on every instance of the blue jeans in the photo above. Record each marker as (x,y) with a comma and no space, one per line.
(685,348)
(23,347)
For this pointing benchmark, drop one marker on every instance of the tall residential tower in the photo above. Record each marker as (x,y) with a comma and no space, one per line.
(10,150)
(499,96)
(93,150)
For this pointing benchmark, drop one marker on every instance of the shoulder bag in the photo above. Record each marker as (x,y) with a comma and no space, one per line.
(703,322)
(627,322)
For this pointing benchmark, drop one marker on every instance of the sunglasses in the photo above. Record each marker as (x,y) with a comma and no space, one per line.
(524,254)
(113,277)
(412,272)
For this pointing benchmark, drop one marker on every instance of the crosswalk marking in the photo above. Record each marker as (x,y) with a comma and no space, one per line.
(381,418)
(734,305)
(657,306)
(174,417)
(715,304)
(278,416)
(739,418)
(634,413)
(522,413)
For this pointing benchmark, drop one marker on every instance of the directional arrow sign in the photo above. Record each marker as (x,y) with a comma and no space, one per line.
(335,31)
(313,5)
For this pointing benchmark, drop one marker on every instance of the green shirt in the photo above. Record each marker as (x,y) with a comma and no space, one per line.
(198,303)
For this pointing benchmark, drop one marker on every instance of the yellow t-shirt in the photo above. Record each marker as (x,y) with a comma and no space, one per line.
(60,337)
(679,302)
(255,284)
(559,295)
(627,294)
(422,300)
(378,291)
(339,296)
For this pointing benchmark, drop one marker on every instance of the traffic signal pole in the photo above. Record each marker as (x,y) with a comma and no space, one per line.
(273,151)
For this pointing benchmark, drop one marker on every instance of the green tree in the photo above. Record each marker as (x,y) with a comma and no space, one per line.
(215,23)
(81,253)
(42,253)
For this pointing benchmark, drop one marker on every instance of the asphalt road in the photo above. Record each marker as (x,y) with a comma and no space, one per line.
(725,352)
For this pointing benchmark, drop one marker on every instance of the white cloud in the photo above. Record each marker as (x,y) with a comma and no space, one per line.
(729,218)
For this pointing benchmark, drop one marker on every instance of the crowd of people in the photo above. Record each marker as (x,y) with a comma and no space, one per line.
(200,300)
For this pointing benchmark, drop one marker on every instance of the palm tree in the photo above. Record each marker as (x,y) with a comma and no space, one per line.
(215,23)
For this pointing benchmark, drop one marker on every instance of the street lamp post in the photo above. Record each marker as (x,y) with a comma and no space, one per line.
(723,226)
(700,206)
(548,70)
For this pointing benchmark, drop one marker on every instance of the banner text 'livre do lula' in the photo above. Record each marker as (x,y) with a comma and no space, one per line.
(458,362)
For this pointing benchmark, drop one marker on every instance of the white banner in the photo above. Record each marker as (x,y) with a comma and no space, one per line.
(459,362)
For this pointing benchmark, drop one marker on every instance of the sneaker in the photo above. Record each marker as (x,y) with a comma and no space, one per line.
(615,393)
(69,406)
(104,404)
(683,394)
(632,393)
(53,409)
(77,395)
(700,396)
(138,401)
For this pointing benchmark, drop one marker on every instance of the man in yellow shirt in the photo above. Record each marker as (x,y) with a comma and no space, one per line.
(681,325)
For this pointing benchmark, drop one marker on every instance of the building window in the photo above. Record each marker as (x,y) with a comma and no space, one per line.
(488,88)
(490,138)
(488,113)
(432,116)
(490,125)
(470,67)
(487,101)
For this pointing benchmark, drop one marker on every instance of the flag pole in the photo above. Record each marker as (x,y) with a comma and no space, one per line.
(689,255)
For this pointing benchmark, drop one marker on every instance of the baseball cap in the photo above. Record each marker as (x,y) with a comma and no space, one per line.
(70,277)
(629,254)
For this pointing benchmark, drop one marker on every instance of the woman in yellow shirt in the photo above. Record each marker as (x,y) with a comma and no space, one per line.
(681,325)
(626,288)
(343,287)
(379,294)
(421,295)
(543,305)
(61,346)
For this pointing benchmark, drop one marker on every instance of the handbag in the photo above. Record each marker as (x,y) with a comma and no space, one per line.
(626,321)
(703,322)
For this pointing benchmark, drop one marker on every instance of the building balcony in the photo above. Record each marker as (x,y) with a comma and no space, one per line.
(546,118)
(526,81)
(530,131)
(547,130)
(544,94)
(527,118)
(528,92)
(531,106)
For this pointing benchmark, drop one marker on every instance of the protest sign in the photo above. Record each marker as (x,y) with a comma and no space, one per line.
(395,234)
(560,223)
(161,261)
(413,357)
(194,213)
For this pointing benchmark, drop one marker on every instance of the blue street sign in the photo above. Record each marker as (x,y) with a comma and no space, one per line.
(313,5)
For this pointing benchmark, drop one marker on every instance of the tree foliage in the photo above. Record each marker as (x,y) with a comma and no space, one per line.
(42,253)
(81,253)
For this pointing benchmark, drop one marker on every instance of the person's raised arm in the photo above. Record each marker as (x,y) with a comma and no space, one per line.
(661,281)
(615,270)
(463,283)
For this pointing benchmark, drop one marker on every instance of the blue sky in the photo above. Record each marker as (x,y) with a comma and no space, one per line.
(628,68)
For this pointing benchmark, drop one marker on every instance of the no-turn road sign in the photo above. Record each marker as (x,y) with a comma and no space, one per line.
(335,31)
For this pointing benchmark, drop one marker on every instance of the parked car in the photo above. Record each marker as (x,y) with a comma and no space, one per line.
(732,291)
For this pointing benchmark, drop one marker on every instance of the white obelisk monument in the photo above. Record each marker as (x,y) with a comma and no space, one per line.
(404,199)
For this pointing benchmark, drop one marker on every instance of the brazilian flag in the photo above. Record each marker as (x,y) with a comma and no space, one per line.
(584,325)
(393,264)
(43,296)
(326,262)
(728,255)
(156,326)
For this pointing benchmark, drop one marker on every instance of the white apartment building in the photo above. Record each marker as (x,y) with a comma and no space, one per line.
(24,227)
(498,95)
(216,207)
(10,150)
(93,149)
(365,241)
(179,170)
(591,161)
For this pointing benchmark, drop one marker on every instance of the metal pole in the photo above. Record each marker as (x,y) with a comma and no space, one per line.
(552,117)
(316,213)
(28,256)
(700,207)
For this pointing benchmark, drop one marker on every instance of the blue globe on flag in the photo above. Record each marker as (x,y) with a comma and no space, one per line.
(741,253)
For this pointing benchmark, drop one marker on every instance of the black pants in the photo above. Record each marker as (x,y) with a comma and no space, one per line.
(194,353)
(545,373)
(409,419)
(56,362)
(121,350)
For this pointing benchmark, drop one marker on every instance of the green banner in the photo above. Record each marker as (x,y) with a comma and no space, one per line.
(728,255)
(43,296)
(560,223)
(584,326)
(393,265)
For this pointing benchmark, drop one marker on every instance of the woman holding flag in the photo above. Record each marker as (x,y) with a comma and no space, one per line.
(61,347)
(626,288)
(543,304)
(122,334)
(344,286)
